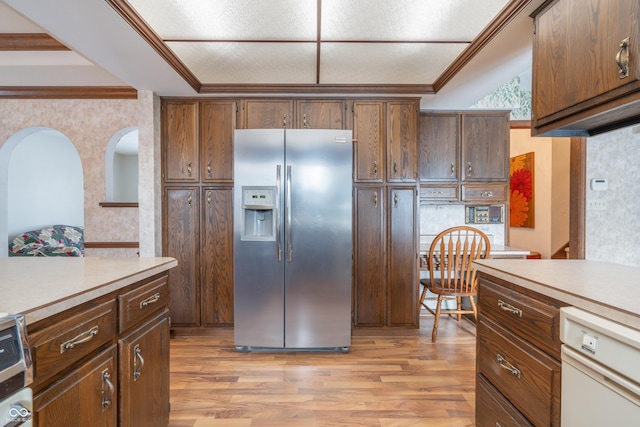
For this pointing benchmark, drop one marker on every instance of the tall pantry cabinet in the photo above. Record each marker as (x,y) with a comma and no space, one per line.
(197,164)
(386,224)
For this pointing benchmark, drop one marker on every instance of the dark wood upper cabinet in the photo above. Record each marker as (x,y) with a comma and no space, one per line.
(268,114)
(402,137)
(368,131)
(581,84)
(180,140)
(439,147)
(484,147)
(320,114)
(217,123)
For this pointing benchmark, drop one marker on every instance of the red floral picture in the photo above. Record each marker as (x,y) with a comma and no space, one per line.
(522,208)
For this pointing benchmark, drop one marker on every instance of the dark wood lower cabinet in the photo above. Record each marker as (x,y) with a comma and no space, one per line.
(104,375)
(144,370)
(386,261)
(518,379)
(86,396)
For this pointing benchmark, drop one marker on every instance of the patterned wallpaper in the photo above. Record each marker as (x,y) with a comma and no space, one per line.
(612,235)
(510,96)
(89,125)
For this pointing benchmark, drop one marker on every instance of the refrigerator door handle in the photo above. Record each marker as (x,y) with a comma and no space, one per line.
(278,243)
(288,214)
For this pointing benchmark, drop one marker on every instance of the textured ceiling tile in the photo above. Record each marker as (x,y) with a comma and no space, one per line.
(407,20)
(385,63)
(247,63)
(230,19)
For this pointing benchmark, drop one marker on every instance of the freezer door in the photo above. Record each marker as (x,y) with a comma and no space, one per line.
(318,238)
(258,274)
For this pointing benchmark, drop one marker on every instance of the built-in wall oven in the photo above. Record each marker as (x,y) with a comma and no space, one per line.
(16,372)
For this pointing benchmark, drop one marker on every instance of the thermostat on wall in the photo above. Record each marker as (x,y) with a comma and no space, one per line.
(599,184)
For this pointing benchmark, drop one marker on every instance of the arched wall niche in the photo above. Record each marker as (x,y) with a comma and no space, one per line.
(41,183)
(121,167)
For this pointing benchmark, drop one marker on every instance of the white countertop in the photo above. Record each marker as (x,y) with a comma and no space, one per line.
(39,287)
(605,289)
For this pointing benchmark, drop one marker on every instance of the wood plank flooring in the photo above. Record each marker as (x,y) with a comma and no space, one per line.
(388,379)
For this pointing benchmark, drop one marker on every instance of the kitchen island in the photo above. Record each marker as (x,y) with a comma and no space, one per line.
(98,334)
(518,335)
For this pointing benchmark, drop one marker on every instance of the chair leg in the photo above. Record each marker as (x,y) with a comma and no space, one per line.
(434,333)
(422,297)
(459,304)
(474,308)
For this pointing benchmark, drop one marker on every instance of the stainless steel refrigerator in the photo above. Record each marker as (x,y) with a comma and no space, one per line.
(292,239)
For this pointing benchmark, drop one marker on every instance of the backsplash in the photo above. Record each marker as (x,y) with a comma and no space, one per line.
(435,218)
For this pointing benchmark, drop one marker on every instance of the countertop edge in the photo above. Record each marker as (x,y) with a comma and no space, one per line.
(586,303)
(48,310)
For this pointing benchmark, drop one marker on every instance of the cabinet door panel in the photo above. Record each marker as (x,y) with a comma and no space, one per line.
(143,358)
(217,123)
(369,133)
(485,147)
(370,297)
(180,153)
(575,52)
(402,136)
(84,397)
(439,144)
(181,232)
(320,114)
(402,283)
(217,257)
(268,114)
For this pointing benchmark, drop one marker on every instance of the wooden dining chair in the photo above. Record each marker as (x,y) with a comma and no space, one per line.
(451,273)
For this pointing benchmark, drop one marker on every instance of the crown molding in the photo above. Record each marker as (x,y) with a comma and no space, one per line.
(68,92)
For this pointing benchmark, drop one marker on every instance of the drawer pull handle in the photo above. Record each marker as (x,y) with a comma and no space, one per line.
(106,394)
(82,338)
(153,298)
(508,366)
(508,307)
(138,362)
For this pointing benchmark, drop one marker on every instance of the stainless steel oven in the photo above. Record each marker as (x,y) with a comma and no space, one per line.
(16,372)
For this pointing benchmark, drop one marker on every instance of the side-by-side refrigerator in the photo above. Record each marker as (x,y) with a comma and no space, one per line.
(292,239)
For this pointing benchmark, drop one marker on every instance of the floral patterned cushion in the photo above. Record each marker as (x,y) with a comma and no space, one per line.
(57,240)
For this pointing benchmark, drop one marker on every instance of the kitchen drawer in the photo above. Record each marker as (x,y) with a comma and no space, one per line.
(527,377)
(484,192)
(529,318)
(439,193)
(142,302)
(492,409)
(73,337)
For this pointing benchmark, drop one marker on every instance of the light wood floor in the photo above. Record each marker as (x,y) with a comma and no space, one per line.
(388,379)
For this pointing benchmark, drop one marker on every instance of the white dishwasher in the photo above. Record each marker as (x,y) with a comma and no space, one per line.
(600,371)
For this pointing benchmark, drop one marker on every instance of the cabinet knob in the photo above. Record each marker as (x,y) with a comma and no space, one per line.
(469,168)
(375,200)
(453,169)
(622,59)
(189,168)
(395,168)
(209,168)
(395,199)
(375,169)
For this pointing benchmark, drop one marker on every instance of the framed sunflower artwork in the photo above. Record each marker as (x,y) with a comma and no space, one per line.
(522,200)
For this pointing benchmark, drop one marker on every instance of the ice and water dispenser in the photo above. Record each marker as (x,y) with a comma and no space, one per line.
(259,213)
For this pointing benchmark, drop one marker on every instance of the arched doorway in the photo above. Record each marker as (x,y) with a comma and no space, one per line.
(41,184)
